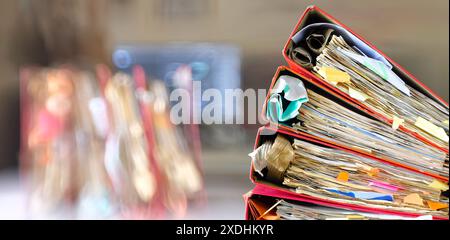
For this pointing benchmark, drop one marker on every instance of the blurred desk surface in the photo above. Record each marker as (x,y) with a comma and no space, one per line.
(224,189)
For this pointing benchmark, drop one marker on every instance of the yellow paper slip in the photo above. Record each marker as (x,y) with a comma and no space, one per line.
(413,198)
(397,122)
(431,129)
(334,76)
(357,94)
(438,185)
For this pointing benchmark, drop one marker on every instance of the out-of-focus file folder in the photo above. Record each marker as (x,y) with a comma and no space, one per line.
(329,53)
(104,147)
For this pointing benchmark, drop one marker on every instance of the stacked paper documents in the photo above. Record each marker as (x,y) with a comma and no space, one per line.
(351,135)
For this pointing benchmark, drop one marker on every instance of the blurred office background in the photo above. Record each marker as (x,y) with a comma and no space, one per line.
(44,32)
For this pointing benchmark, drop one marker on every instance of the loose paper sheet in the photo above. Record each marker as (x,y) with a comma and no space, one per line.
(432,129)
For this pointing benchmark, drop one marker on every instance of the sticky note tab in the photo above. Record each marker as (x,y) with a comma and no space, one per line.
(431,129)
(333,75)
(342,176)
(374,196)
(360,96)
(436,205)
(436,184)
(380,69)
(397,122)
(413,198)
(271,217)
(445,122)
(373,172)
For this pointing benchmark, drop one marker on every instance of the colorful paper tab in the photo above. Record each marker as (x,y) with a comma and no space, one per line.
(342,176)
(360,96)
(413,198)
(431,129)
(436,184)
(333,75)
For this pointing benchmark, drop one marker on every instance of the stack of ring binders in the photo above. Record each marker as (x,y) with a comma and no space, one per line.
(351,134)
